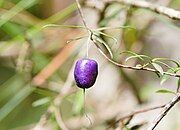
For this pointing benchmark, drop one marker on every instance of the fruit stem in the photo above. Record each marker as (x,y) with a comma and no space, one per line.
(84,94)
(87,45)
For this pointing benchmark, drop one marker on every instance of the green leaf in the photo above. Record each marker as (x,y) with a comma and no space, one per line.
(166,65)
(165,91)
(15,101)
(63,26)
(166,59)
(129,52)
(23,4)
(127,128)
(176,69)
(132,53)
(165,77)
(12,29)
(158,68)
(41,101)
(99,40)
(111,28)
(108,36)
(136,56)
(75,39)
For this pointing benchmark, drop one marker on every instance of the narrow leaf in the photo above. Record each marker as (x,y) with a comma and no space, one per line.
(119,27)
(136,55)
(176,70)
(165,91)
(108,36)
(63,26)
(165,77)
(97,39)
(41,101)
(166,59)
(15,101)
(158,68)
(75,39)
(166,65)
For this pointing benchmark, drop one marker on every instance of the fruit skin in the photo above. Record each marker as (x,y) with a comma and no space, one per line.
(85,72)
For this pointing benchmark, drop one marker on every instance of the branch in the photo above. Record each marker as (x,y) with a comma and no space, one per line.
(131,67)
(171,13)
(81,14)
(111,60)
(135,113)
(166,109)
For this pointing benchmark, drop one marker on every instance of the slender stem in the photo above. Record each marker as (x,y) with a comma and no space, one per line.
(81,14)
(171,13)
(132,67)
(87,46)
(84,22)
(164,112)
(132,114)
(84,94)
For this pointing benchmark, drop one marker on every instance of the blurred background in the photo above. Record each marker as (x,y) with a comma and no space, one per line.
(37,88)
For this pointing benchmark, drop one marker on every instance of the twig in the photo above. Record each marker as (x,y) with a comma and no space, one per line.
(133,67)
(164,112)
(103,12)
(138,125)
(171,13)
(135,113)
(109,59)
(81,14)
(140,111)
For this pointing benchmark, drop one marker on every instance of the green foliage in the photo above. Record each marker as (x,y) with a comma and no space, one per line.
(158,68)
(166,77)
(42,101)
(165,91)
(22,103)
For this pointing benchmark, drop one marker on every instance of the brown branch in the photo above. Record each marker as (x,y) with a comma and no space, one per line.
(132,114)
(171,13)
(164,112)
(131,67)
(81,14)
(109,59)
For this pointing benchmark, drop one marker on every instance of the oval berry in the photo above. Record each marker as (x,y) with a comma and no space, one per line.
(85,72)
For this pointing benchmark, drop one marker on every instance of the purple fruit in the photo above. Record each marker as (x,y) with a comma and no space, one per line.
(85,73)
